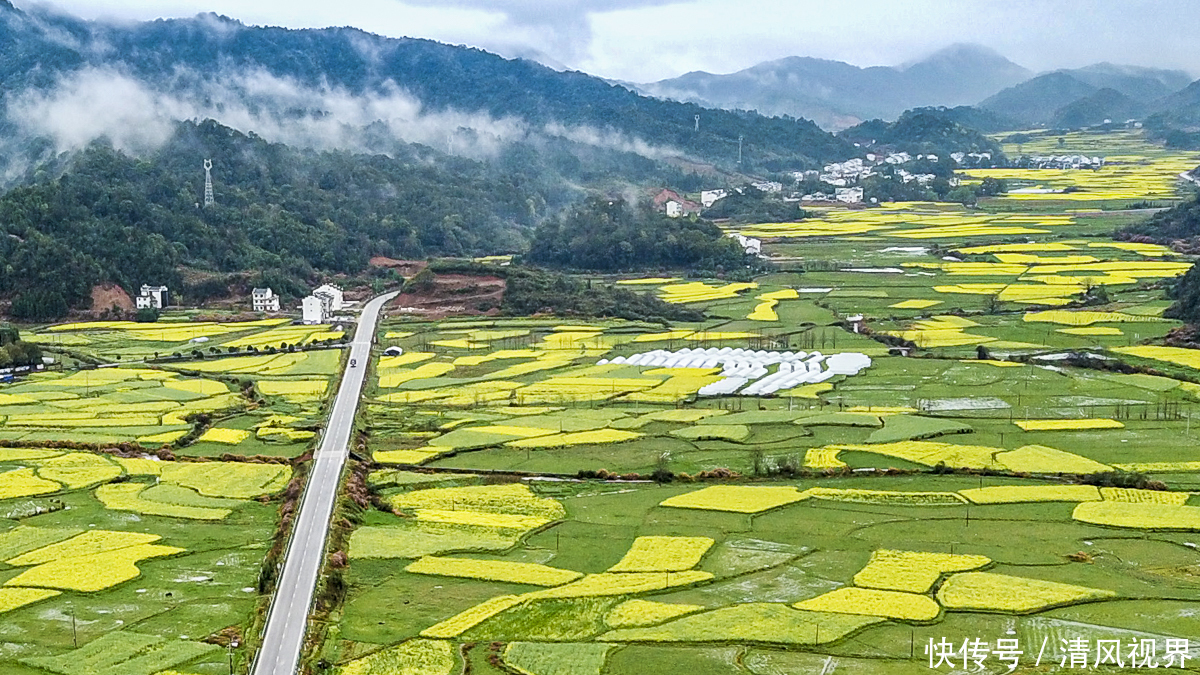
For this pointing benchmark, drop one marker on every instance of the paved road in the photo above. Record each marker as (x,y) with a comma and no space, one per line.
(288,618)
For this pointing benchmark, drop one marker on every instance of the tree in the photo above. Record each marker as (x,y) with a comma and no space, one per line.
(39,306)
(147,315)
(609,235)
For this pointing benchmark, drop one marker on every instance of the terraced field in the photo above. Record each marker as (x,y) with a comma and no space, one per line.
(978,487)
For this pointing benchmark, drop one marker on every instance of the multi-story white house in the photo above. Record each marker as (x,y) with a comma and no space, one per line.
(336,300)
(315,309)
(265,300)
(710,197)
(153,297)
(851,195)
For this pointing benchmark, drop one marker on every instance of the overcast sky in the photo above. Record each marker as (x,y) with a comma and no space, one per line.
(646,40)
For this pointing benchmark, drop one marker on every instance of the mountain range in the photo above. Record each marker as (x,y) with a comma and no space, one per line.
(1086,96)
(837,95)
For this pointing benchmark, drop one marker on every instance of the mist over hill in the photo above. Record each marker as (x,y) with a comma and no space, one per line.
(71,81)
(837,95)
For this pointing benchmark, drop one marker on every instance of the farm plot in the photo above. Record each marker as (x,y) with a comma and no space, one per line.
(295,385)
(110,405)
(806,574)
(114,340)
(1043,420)
(694,567)
(130,564)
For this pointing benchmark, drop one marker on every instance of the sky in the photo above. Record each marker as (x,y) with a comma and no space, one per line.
(649,40)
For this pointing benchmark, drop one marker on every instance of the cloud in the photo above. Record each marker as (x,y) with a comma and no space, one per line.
(560,27)
(137,118)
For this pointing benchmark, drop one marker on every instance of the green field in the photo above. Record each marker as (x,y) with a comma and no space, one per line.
(137,562)
(933,495)
(131,564)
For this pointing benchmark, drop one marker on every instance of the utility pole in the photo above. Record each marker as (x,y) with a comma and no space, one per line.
(740,138)
(209,198)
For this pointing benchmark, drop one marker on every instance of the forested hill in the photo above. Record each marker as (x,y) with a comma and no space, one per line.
(203,59)
(279,210)
(1179,226)
(924,130)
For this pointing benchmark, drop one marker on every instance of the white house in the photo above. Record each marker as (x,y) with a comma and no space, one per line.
(852,195)
(710,197)
(674,209)
(337,302)
(314,309)
(265,300)
(768,186)
(153,297)
(750,245)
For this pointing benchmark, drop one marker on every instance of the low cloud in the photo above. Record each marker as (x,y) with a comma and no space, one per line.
(138,118)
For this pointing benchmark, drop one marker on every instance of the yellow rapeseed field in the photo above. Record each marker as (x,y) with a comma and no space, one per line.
(23,483)
(1176,355)
(468,619)
(663,554)
(913,571)
(650,280)
(222,435)
(1159,467)
(1042,459)
(634,613)
(736,498)
(1143,516)
(12,598)
(622,583)
(885,496)
(394,378)
(988,592)
(1134,496)
(412,657)
(238,480)
(873,602)
(823,458)
(1015,494)
(510,499)
(915,304)
(698,291)
(1086,318)
(494,570)
(90,573)
(1069,425)
(293,388)
(88,543)
(127,497)
(931,453)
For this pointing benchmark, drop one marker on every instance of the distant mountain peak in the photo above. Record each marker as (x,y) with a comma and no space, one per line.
(837,95)
(962,52)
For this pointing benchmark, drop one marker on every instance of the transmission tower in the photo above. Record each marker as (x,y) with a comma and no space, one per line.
(697,123)
(209,199)
(740,138)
